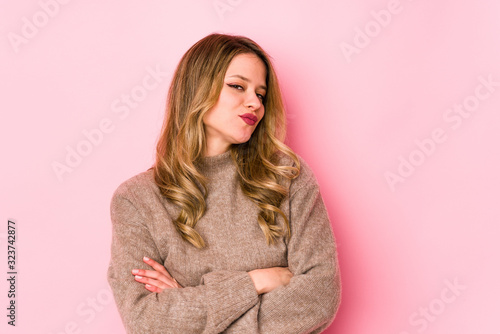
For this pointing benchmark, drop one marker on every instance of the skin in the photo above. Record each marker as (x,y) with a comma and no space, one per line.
(243,92)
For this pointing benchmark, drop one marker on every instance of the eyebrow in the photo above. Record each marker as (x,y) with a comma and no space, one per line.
(247,80)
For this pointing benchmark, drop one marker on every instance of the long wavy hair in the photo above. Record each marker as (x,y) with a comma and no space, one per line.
(195,89)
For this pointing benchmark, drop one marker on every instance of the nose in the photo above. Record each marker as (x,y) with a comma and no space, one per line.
(252,101)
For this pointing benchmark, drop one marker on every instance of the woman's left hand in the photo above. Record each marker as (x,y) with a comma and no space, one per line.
(155,280)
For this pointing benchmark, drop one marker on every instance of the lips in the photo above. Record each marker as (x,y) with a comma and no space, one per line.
(250,119)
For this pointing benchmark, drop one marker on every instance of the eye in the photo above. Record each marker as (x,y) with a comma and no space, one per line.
(238,87)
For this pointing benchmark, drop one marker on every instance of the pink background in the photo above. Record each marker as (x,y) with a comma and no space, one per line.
(371,88)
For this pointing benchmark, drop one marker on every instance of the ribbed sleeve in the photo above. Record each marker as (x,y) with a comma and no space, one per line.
(309,303)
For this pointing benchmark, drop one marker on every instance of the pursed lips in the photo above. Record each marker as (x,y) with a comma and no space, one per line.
(249,118)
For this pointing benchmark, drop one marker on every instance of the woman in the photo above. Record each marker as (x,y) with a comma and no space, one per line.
(227,232)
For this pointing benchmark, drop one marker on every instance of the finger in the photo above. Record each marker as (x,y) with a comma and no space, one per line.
(177,285)
(153,288)
(156,266)
(156,276)
(154,282)
(149,273)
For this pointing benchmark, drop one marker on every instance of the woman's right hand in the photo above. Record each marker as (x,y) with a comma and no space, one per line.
(155,280)
(268,279)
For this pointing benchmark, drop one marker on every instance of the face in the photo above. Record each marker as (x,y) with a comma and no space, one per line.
(240,107)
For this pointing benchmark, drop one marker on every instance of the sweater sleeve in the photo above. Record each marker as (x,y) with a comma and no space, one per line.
(309,303)
(219,299)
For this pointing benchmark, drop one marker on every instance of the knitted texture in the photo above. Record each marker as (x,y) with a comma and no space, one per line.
(218,295)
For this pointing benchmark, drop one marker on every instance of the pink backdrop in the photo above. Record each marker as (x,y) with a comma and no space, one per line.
(394,104)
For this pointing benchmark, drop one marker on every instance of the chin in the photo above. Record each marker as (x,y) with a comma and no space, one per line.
(245,140)
(242,139)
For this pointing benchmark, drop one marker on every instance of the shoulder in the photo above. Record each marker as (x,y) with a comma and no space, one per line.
(138,188)
(306,175)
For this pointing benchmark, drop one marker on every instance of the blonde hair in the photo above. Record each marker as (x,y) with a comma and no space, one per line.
(194,90)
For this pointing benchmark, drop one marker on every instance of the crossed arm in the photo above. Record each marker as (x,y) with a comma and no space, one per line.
(265,280)
(302,298)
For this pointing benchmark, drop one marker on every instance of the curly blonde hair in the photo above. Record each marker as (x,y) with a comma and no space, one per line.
(194,90)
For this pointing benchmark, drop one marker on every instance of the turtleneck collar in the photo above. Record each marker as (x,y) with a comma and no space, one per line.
(214,163)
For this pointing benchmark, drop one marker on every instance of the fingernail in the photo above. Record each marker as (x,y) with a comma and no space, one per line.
(148,286)
(146,258)
(135,271)
(138,277)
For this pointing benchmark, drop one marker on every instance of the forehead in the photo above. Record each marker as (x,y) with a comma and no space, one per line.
(249,66)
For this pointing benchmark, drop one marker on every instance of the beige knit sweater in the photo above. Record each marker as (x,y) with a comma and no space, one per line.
(218,294)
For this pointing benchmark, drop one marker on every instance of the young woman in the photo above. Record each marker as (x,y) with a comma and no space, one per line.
(227,232)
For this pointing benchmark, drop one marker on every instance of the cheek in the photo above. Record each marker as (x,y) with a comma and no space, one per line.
(262,112)
(207,117)
(213,117)
(228,97)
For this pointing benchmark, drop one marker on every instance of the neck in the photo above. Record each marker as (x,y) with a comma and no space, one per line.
(213,151)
